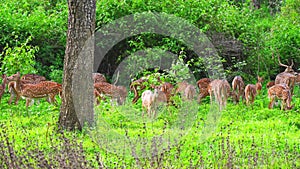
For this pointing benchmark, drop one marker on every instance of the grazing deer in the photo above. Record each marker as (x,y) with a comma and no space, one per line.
(238,87)
(3,86)
(181,86)
(287,77)
(270,84)
(202,85)
(25,79)
(44,89)
(116,93)
(98,77)
(251,91)
(282,92)
(221,90)
(150,100)
(187,90)
(168,90)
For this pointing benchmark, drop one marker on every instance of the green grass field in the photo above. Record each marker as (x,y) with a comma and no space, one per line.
(189,136)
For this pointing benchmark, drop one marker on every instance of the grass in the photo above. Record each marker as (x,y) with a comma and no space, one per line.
(182,137)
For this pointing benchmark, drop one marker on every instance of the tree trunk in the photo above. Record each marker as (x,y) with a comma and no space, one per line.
(77,96)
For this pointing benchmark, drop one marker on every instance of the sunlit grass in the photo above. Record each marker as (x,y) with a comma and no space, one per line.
(125,138)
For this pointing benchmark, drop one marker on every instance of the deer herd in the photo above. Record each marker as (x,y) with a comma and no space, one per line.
(32,86)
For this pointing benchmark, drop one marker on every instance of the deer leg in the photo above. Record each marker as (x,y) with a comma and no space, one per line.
(271,104)
(283,105)
(211,98)
(136,95)
(27,103)
(247,99)
(11,98)
(143,110)
(149,110)
(252,96)
(199,98)
(52,99)
(17,99)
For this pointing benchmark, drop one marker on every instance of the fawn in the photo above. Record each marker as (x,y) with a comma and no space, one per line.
(202,85)
(238,87)
(251,90)
(221,90)
(150,100)
(187,90)
(282,92)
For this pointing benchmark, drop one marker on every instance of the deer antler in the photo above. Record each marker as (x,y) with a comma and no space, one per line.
(117,78)
(280,64)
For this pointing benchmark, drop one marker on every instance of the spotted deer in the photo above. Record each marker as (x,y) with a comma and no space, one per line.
(181,86)
(3,86)
(238,87)
(168,89)
(116,93)
(221,90)
(44,89)
(187,90)
(151,100)
(282,92)
(252,90)
(203,85)
(287,77)
(25,79)
(250,94)
(98,77)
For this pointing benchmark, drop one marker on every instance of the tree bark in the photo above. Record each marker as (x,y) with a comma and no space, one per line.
(77,95)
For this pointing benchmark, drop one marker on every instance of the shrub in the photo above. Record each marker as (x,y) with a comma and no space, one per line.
(19,58)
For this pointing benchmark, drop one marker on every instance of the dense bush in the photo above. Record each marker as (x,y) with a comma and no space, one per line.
(249,37)
(44,21)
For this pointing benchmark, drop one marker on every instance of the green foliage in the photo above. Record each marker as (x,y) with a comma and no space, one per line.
(44,21)
(19,59)
(56,74)
(262,35)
